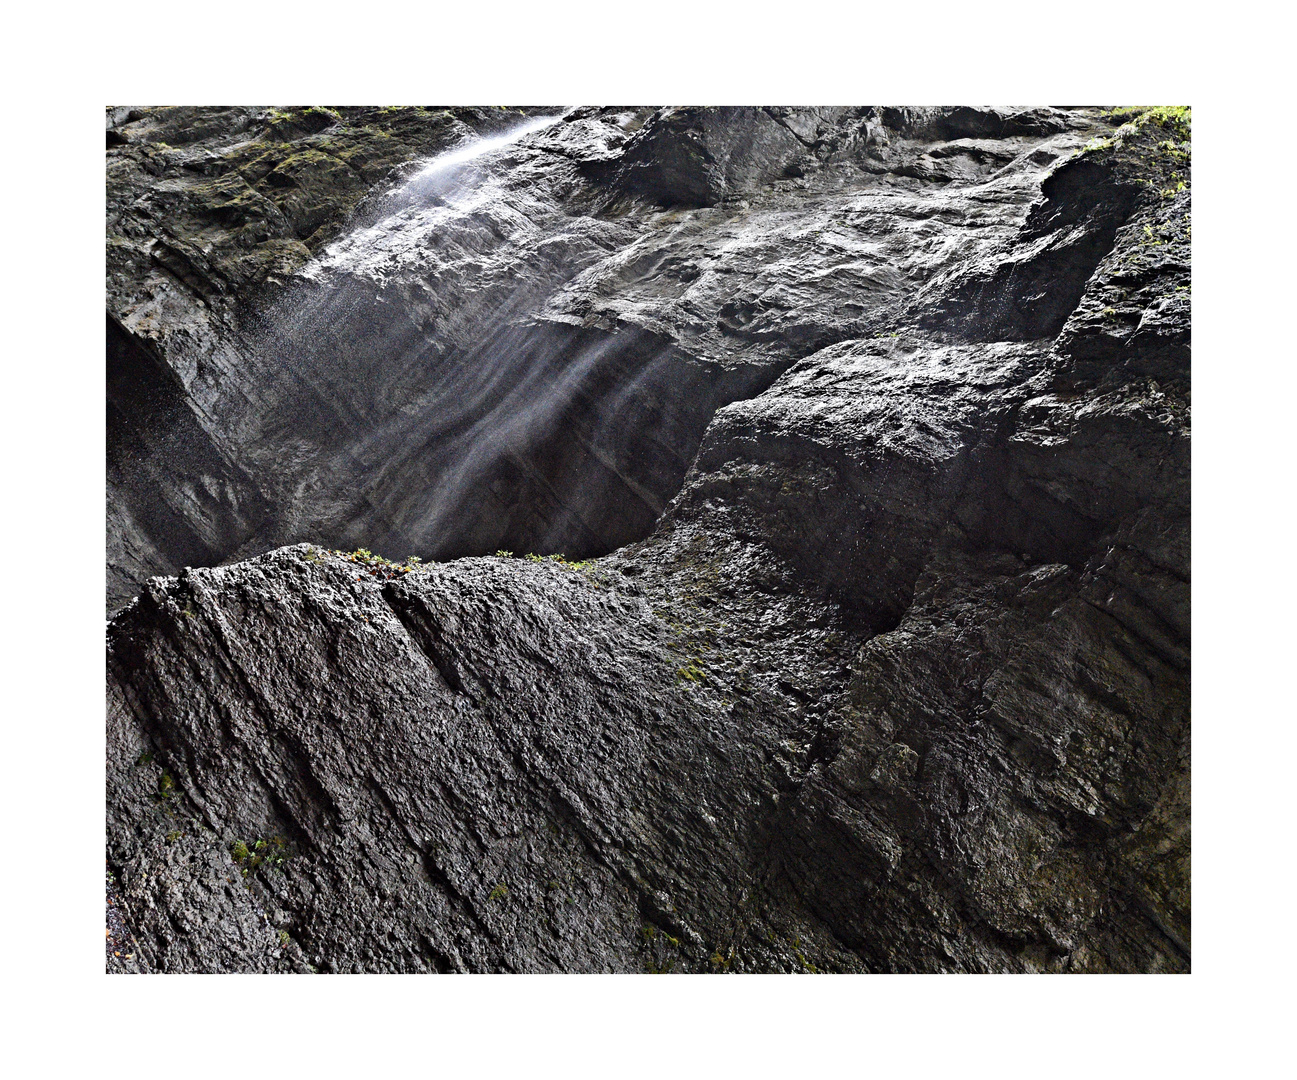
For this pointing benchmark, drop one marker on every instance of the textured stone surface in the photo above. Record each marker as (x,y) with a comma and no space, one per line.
(886,414)
(522,350)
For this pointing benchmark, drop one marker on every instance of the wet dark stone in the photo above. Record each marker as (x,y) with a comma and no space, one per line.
(875,425)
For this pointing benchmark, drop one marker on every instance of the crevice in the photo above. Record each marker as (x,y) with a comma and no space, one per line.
(435,873)
(424,637)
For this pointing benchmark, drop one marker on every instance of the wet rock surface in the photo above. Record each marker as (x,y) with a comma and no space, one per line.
(878,423)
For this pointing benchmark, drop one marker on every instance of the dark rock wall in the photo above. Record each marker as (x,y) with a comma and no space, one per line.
(174,498)
(886,412)
(522,350)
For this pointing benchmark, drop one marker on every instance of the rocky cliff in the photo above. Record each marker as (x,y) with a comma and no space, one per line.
(845,457)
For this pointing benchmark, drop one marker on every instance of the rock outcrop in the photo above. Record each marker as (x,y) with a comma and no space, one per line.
(864,432)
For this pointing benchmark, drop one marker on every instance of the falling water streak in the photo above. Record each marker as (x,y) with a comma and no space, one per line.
(471,410)
(439,181)
(510,427)
(362,247)
(451,158)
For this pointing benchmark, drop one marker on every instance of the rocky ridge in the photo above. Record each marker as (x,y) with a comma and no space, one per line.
(875,423)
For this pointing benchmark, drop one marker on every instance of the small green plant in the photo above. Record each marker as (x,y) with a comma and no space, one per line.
(284,939)
(561,560)
(173,836)
(278,118)
(588,567)
(166,786)
(502,554)
(498,893)
(270,853)
(806,964)
(1151,238)
(663,950)
(379,566)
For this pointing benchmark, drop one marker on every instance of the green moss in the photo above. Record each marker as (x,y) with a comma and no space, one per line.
(807,966)
(308,158)
(692,672)
(561,560)
(1095,146)
(229,199)
(285,123)
(663,950)
(269,852)
(1151,142)
(1177,119)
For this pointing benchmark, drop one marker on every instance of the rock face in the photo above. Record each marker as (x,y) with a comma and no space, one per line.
(872,425)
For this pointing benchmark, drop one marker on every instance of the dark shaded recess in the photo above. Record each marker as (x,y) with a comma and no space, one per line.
(1030,292)
(971,122)
(694,157)
(841,540)
(576,445)
(672,164)
(182,496)
(1003,510)
(430,439)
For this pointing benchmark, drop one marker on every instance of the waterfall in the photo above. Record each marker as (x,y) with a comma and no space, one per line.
(428,404)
